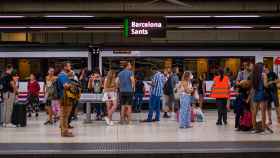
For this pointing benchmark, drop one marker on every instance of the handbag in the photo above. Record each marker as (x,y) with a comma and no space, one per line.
(176,94)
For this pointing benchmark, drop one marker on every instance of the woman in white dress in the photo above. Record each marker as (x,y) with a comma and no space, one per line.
(110,95)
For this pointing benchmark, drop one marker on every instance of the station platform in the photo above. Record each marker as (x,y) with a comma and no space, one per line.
(160,139)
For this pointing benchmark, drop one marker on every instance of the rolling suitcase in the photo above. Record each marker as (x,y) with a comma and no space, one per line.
(19,114)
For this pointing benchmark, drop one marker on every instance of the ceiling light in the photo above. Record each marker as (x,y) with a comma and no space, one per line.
(274,27)
(103,27)
(11,16)
(12,27)
(194,27)
(234,27)
(47,27)
(187,16)
(69,16)
(237,16)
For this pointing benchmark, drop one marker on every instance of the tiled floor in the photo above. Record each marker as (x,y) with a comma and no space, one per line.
(165,131)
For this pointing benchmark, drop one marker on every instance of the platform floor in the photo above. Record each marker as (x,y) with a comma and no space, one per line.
(165,131)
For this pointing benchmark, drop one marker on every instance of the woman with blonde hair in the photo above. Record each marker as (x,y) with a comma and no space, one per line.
(185,90)
(110,95)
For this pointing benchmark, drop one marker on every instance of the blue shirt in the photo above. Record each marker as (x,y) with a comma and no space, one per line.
(158,82)
(62,79)
(125,80)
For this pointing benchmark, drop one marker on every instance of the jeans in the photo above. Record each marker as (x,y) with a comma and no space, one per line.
(185,110)
(154,106)
(99,109)
(222,110)
(138,101)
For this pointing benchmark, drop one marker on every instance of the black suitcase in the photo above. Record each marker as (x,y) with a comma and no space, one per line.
(19,114)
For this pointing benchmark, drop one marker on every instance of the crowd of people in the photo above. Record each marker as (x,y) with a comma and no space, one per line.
(256,84)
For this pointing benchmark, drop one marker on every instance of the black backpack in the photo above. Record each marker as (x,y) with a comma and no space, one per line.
(168,89)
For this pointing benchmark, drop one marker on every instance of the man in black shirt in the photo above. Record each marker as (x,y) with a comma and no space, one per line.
(8,90)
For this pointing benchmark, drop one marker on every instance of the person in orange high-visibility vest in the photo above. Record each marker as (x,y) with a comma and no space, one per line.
(221,92)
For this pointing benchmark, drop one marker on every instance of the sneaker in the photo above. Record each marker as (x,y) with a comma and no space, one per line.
(155,120)
(258,131)
(4,125)
(37,115)
(165,115)
(11,126)
(219,123)
(111,123)
(144,121)
(48,123)
(107,120)
(70,127)
(68,134)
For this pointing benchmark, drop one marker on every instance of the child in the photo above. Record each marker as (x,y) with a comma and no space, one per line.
(240,104)
(33,89)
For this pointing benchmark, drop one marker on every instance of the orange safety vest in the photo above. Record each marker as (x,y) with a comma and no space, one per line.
(220,89)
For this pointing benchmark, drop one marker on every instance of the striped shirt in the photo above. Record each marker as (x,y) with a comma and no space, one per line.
(158,82)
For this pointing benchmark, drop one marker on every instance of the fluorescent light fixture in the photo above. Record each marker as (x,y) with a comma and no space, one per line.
(11,16)
(103,27)
(69,16)
(236,16)
(47,27)
(234,27)
(274,27)
(188,16)
(194,27)
(13,27)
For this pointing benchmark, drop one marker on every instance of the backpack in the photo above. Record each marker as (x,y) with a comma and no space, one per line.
(53,90)
(75,90)
(168,88)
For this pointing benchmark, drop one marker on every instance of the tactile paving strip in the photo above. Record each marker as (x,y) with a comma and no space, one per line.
(140,148)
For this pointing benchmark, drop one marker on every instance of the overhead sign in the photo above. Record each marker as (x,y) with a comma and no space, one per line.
(145,27)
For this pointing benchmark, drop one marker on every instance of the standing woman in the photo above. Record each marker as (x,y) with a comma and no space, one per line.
(260,97)
(221,92)
(110,95)
(185,90)
(49,90)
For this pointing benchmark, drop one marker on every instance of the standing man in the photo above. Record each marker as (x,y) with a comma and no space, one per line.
(156,93)
(126,84)
(244,72)
(66,106)
(9,95)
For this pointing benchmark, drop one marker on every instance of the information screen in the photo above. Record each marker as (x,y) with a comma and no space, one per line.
(145,27)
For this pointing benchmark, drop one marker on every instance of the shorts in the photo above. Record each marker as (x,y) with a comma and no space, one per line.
(273,97)
(110,96)
(126,98)
(171,101)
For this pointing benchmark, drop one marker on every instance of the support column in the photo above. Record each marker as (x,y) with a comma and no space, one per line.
(88,104)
